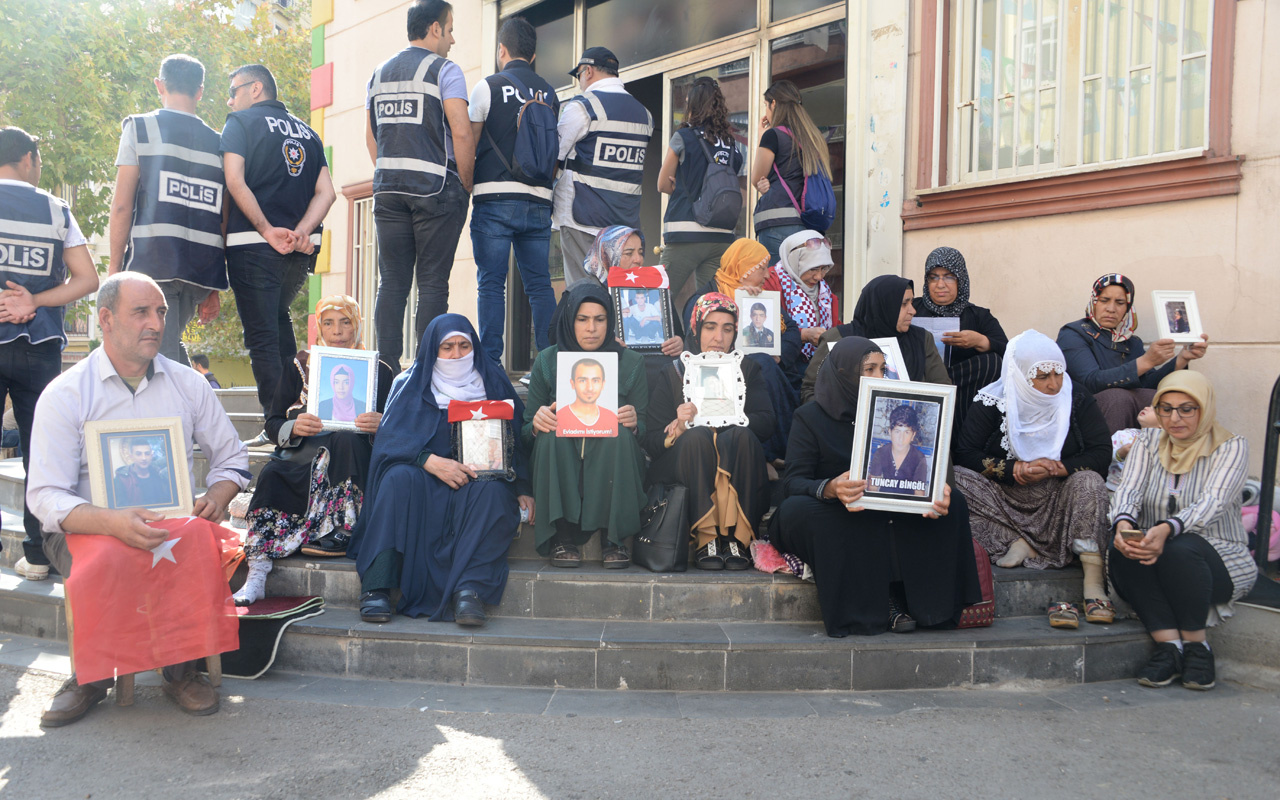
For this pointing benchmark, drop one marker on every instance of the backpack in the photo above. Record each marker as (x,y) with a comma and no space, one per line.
(534,157)
(817,204)
(719,203)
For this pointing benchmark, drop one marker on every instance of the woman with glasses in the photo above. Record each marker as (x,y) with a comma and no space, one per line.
(798,275)
(1180,554)
(1032,461)
(1106,358)
(974,351)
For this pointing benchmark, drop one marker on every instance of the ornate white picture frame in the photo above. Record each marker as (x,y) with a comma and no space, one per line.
(713,382)
(893,358)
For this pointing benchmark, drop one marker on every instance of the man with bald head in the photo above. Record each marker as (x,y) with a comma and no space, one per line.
(126,378)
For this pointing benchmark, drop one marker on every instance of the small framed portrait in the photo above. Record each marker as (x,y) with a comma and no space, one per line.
(483,437)
(587,394)
(759,322)
(713,382)
(1177,316)
(642,306)
(342,385)
(902,443)
(139,463)
(893,359)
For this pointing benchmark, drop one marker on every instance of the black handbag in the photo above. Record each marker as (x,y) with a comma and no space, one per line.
(662,545)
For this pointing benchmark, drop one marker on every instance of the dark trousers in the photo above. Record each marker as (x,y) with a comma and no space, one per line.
(496,227)
(265,284)
(417,237)
(25,369)
(1175,592)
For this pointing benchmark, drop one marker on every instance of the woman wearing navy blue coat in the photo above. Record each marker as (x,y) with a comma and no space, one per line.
(429,528)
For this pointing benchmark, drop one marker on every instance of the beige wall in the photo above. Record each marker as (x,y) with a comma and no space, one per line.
(1036,273)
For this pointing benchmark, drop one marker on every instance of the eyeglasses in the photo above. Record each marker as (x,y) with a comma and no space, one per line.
(235,89)
(943,278)
(1165,410)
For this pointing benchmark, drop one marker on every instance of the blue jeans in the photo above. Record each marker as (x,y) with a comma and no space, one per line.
(496,227)
(772,238)
(25,369)
(265,284)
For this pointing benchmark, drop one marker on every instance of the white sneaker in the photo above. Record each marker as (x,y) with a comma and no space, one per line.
(32,572)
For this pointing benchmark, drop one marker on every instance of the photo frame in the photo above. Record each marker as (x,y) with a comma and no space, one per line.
(1177,316)
(893,358)
(902,443)
(587,395)
(337,402)
(487,446)
(714,383)
(759,322)
(140,463)
(642,317)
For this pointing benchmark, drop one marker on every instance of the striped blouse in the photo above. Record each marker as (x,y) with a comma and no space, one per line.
(1206,501)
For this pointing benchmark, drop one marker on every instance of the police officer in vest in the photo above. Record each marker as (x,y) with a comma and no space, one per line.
(44,265)
(604,133)
(166,215)
(507,211)
(420,140)
(276,173)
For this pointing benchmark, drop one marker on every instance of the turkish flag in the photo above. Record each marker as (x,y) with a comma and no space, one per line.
(135,610)
(638,278)
(462,411)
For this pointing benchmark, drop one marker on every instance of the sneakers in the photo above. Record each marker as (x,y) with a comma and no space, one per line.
(32,572)
(1165,665)
(1197,666)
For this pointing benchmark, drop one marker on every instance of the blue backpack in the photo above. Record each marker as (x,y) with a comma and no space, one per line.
(817,203)
(533,160)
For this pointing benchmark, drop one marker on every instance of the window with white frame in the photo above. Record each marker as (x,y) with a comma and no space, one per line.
(364,279)
(1042,86)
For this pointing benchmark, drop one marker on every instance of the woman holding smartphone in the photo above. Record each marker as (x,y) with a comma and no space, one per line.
(1180,555)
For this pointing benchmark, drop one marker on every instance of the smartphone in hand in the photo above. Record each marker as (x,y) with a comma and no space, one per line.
(1133,535)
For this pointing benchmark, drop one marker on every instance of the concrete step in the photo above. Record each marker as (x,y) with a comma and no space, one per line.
(248,424)
(241,399)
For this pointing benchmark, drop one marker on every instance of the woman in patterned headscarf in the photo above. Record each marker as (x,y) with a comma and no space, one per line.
(723,468)
(974,352)
(1105,357)
(309,495)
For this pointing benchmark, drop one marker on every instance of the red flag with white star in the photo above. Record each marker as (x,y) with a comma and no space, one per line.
(638,278)
(134,610)
(462,411)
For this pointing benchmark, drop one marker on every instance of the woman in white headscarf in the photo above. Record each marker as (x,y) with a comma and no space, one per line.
(804,259)
(1032,461)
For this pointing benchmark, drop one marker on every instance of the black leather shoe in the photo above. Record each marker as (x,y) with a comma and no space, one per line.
(467,609)
(73,701)
(375,607)
(331,546)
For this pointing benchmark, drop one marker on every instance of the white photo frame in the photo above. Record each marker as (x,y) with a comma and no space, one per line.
(139,463)
(1177,316)
(767,336)
(916,482)
(893,359)
(713,382)
(587,398)
(326,367)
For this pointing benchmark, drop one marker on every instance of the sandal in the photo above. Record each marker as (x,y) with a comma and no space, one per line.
(735,555)
(566,555)
(331,546)
(708,556)
(1064,615)
(616,557)
(1099,611)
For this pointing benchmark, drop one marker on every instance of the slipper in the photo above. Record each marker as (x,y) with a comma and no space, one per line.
(1099,611)
(1064,615)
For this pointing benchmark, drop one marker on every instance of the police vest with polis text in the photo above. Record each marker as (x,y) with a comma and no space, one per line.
(33,226)
(177,210)
(680,223)
(407,118)
(608,163)
(281,169)
(493,180)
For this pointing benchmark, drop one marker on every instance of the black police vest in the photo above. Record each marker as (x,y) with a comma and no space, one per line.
(679,223)
(493,181)
(407,117)
(608,163)
(281,169)
(33,225)
(177,210)
(774,208)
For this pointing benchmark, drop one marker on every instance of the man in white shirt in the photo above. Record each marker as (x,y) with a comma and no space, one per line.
(126,378)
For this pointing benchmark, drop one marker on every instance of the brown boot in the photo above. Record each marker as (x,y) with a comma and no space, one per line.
(192,692)
(73,701)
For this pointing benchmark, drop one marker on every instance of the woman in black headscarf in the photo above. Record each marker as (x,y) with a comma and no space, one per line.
(875,570)
(723,468)
(586,484)
(884,310)
(429,527)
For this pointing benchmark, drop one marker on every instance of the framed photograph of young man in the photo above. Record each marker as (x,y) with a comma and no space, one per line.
(642,306)
(893,359)
(1177,316)
(483,437)
(901,443)
(587,394)
(713,382)
(139,463)
(760,322)
(342,385)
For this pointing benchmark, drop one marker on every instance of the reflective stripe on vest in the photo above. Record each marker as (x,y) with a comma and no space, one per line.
(32,230)
(774,208)
(689,226)
(510,188)
(608,163)
(177,213)
(772,215)
(498,136)
(409,124)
